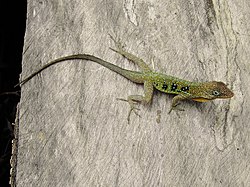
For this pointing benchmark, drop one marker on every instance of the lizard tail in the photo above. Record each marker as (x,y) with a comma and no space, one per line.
(131,75)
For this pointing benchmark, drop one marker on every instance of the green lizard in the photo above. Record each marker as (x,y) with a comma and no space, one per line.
(197,91)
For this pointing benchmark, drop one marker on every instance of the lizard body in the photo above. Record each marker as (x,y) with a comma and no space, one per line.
(197,91)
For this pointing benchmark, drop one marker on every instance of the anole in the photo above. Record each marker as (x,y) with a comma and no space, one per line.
(197,91)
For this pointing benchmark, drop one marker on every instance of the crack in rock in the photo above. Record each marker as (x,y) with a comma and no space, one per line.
(129,9)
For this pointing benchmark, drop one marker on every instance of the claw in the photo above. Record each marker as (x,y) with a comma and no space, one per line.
(113,49)
(130,102)
(121,99)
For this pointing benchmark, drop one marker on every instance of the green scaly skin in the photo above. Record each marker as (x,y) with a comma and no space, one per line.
(197,91)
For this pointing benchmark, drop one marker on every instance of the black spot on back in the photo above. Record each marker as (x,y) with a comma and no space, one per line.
(174,87)
(156,84)
(164,86)
(185,88)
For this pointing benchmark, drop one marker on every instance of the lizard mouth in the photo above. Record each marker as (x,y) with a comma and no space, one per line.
(200,99)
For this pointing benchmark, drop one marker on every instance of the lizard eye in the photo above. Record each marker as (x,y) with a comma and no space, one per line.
(216,93)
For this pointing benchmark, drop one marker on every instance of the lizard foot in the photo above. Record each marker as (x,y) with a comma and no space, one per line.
(132,108)
(118,44)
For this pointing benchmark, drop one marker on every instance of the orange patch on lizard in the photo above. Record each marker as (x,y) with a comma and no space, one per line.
(201,99)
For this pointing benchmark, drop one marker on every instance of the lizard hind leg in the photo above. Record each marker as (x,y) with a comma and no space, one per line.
(120,50)
(135,99)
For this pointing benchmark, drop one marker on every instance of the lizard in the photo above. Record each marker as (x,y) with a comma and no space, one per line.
(183,89)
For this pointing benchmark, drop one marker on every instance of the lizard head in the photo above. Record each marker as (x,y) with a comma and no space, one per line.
(213,90)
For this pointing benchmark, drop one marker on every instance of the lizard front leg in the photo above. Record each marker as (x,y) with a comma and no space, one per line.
(134,99)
